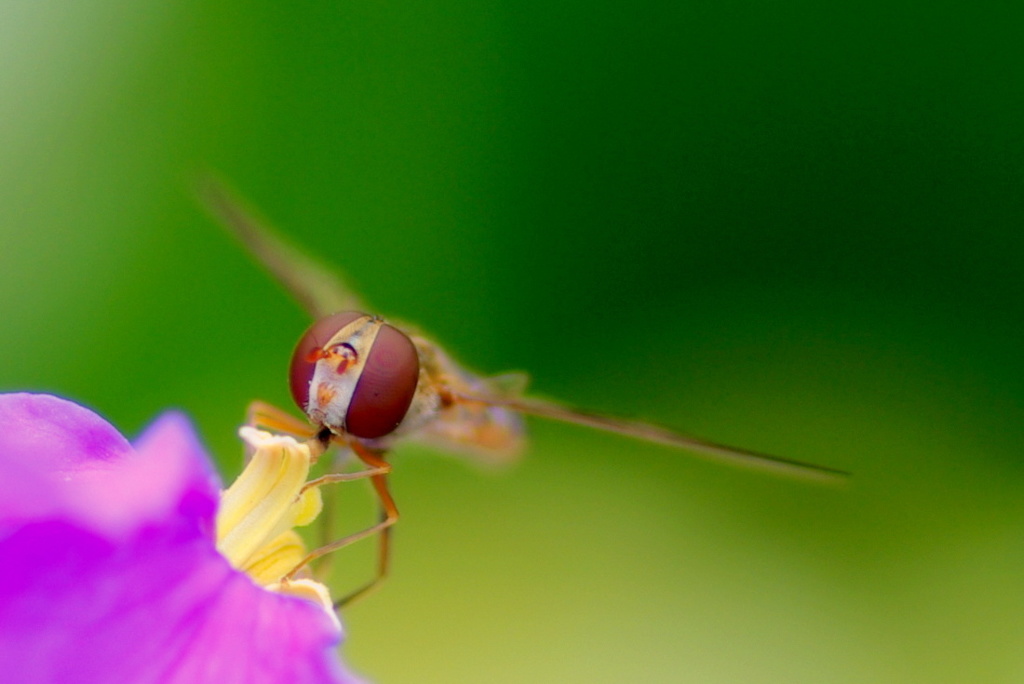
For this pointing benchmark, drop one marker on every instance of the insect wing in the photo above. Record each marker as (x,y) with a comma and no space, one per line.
(484,433)
(485,423)
(650,432)
(319,290)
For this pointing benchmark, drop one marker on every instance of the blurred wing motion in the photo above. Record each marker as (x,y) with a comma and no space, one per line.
(318,289)
(649,432)
(322,292)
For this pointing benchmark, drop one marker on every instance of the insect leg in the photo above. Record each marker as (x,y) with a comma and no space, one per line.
(325,515)
(388,517)
(260,414)
(377,472)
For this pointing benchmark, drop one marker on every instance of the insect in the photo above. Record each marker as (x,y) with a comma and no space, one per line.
(367,383)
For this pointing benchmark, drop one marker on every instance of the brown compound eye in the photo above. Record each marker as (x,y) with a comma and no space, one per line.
(307,351)
(386,387)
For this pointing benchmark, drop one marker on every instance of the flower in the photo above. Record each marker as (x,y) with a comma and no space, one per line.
(109,566)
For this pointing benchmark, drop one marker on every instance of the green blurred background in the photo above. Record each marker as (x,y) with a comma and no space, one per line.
(791,226)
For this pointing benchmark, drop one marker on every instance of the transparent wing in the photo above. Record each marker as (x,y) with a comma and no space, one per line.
(655,433)
(322,291)
(318,289)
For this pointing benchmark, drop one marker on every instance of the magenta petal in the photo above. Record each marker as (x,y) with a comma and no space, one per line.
(58,435)
(108,571)
(46,444)
(155,610)
(173,477)
(59,459)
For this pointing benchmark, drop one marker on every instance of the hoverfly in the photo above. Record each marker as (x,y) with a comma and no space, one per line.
(366,384)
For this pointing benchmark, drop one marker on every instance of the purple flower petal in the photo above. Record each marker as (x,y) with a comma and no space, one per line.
(108,570)
(46,445)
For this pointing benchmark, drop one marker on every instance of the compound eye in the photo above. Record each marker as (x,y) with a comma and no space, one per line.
(386,387)
(308,350)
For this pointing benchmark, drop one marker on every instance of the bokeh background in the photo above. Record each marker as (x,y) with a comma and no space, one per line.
(793,226)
